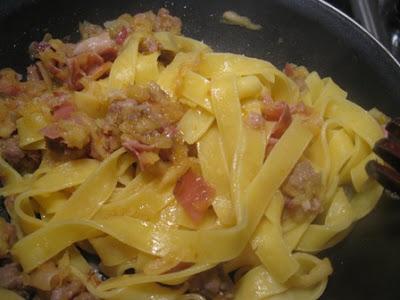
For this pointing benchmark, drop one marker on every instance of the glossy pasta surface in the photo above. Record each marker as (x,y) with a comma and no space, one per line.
(186,173)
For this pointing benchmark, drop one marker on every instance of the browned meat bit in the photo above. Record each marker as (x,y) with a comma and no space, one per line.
(120,28)
(83,65)
(163,21)
(70,137)
(103,143)
(24,161)
(302,189)
(149,45)
(8,237)
(11,277)
(69,63)
(71,290)
(166,22)
(146,121)
(302,180)
(212,284)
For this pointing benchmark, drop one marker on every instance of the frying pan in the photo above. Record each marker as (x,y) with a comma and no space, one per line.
(307,32)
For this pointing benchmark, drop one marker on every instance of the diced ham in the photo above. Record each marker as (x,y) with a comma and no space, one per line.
(97,44)
(63,111)
(122,35)
(194,194)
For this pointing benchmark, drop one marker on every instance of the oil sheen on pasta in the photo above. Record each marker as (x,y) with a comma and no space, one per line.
(189,174)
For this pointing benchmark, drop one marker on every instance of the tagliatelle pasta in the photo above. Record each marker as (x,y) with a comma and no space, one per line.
(186,173)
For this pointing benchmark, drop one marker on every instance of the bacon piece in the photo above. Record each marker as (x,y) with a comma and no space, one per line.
(82,65)
(137,148)
(289,69)
(278,112)
(283,123)
(122,35)
(194,194)
(97,44)
(52,131)
(63,111)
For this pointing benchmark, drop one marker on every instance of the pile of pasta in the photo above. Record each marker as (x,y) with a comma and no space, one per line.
(132,220)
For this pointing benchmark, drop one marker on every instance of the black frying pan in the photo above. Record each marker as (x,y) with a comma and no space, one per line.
(308,32)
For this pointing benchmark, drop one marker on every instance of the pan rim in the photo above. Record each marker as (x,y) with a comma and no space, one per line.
(360,28)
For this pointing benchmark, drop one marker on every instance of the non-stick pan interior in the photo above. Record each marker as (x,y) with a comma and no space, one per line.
(300,31)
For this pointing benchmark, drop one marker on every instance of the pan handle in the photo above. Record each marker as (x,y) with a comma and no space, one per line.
(367,13)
